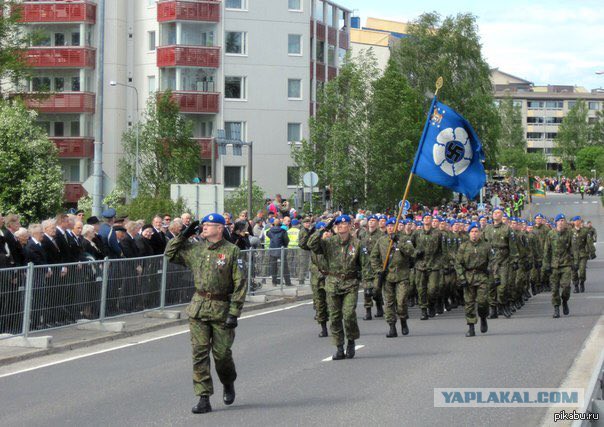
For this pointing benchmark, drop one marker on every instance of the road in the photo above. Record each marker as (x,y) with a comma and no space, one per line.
(285,380)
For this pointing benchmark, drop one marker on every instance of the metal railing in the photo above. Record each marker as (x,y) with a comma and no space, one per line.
(36,298)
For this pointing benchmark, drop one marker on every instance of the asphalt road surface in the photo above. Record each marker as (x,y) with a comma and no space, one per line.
(285,380)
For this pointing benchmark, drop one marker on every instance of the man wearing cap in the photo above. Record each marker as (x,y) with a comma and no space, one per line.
(557,262)
(498,236)
(369,238)
(220,290)
(110,244)
(395,283)
(582,249)
(472,266)
(344,263)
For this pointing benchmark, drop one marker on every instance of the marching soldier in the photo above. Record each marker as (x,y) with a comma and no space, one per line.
(371,292)
(536,255)
(498,235)
(216,304)
(557,262)
(541,229)
(582,249)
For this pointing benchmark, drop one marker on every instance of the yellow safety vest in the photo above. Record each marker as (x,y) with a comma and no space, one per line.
(292,234)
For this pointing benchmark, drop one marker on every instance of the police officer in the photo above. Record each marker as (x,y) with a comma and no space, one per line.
(557,262)
(216,304)
(344,263)
(371,292)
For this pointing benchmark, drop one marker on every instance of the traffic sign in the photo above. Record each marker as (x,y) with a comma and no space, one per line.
(495,201)
(310,179)
(482,207)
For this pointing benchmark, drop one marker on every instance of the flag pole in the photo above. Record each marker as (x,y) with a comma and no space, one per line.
(439,84)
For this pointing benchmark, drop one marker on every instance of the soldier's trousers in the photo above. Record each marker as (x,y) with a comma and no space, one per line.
(560,282)
(377,295)
(476,295)
(450,279)
(343,316)
(427,287)
(498,294)
(580,274)
(396,295)
(206,336)
(521,281)
(319,297)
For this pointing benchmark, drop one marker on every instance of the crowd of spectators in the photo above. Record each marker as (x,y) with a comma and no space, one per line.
(580,184)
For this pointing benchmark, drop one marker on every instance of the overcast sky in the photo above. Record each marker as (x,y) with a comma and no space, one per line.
(546,41)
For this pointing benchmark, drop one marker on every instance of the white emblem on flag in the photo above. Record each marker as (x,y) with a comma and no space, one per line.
(453,151)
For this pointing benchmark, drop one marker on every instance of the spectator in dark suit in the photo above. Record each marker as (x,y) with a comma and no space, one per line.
(129,248)
(12,224)
(158,240)
(143,241)
(50,246)
(64,239)
(91,247)
(35,253)
(97,239)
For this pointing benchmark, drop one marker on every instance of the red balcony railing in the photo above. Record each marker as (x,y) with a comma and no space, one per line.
(205,145)
(203,11)
(197,102)
(332,72)
(320,71)
(61,102)
(188,56)
(73,192)
(61,57)
(59,11)
(344,40)
(74,147)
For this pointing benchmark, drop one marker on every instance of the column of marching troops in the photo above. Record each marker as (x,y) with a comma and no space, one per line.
(491,267)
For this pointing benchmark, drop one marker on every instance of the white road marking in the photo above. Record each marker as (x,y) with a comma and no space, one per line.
(119,347)
(329,359)
(595,202)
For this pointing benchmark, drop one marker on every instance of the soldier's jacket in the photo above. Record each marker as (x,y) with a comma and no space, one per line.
(448,250)
(522,247)
(400,257)
(592,233)
(344,261)
(498,236)
(430,243)
(535,249)
(473,260)
(558,249)
(318,265)
(541,233)
(368,241)
(217,269)
(581,243)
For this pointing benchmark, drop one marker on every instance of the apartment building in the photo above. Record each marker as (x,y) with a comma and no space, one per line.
(379,35)
(249,67)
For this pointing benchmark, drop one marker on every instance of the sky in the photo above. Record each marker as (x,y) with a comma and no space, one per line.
(543,41)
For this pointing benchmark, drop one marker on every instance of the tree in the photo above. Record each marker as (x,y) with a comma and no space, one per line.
(597,129)
(167,152)
(451,48)
(30,173)
(586,158)
(573,134)
(13,42)
(236,201)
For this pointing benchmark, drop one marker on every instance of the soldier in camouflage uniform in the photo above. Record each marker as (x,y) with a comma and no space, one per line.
(344,262)
(593,234)
(448,271)
(216,304)
(317,275)
(498,236)
(582,249)
(458,239)
(557,262)
(541,231)
(396,285)
(536,257)
(412,297)
(472,267)
(368,240)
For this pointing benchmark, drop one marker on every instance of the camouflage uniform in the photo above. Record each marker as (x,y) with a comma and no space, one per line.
(536,257)
(541,233)
(498,236)
(472,264)
(317,279)
(457,295)
(582,246)
(524,267)
(368,241)
(219,290)
(558,256)
(428,266)
(449,277)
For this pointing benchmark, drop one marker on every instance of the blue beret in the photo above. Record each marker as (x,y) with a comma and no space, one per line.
(391,221)
(295,222)
(428,215)
(370,217)
(523,221)
(498,208)
(576,218)
(480,217)
(539,215)
(343,219)
(109,213)
(319,225)
(473,225)
(530,224)
(559,217)
(271,220)
(213,218)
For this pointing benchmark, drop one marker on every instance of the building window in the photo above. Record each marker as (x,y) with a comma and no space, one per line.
(234,87)
(151,84)
(534,104)
(517,103)
(294,132)
(554,105)
(59,39)
(59,129)
(553,120)
(534,135)
(74,128)
(71,170)
(293,176)
(294,89)
(571,104)
(59,84)
(534,120)
(75,39)
(234,130)
(294,5)
(319,10)
(331,56)
(551,135)
(321,51)
(235,4)
(236,43)
(341,56)
(232,176)
(534,150)
(75,84)
(151,37)
(150,3)
(294,44)
(329,19)
(593,105)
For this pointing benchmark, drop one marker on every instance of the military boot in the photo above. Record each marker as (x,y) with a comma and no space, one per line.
(379,312)
(511,308)
(533,288)
(323,332)
(471,332)
(424,314)
(411,302)
(228,395)
(565,309)
(392,331)
(404,327)
(582,286)
(493,313)
(556,311)
(368,315)
(454,303)
(431,311)
(203,406)
(484,326)
(439,306)
(339,354)
(350,350)
(502,309)
(576,290)
(447,305)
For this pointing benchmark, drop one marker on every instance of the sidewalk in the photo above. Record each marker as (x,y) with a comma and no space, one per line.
(70,337)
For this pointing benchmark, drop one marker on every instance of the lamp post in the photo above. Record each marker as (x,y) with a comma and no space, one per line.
(134,185)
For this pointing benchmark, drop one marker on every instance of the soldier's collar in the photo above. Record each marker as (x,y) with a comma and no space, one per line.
(216,245)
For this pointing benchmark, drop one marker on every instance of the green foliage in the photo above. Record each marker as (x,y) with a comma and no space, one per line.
(30,173)
(167,152)
(573,134)
(587,158)
(597,129)
(146,207)
(236,201)
(13,42)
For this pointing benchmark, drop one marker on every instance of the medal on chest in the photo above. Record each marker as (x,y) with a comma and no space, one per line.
(221,261)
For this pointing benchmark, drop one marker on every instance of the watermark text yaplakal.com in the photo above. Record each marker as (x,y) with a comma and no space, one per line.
(508,397)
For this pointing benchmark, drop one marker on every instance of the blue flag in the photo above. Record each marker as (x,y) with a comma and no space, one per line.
(450,153)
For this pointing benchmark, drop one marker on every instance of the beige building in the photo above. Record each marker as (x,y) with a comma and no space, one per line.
(378,35)
(543,108)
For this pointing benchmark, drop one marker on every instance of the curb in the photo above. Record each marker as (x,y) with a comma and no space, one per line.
(126,334)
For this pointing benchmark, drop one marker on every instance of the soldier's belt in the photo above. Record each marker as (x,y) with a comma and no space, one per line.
(213,297)
(349,276)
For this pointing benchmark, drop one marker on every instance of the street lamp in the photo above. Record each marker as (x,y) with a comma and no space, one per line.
(134,185)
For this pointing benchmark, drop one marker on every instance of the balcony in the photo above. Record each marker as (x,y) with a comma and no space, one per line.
(197,102)
(320,71)
(188,56)
(332,73)
(73,192)
(74,147)
(61,102)
(58,12)
(344,40)
(206,148)
(61,57)
(201,11)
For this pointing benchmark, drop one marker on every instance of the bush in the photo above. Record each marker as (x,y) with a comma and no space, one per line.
(146,207)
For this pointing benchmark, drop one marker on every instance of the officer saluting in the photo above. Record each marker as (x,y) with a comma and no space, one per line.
(219,296)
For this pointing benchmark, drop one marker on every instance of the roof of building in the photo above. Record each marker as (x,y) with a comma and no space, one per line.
(499,77)
(386,26)
(369,37)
